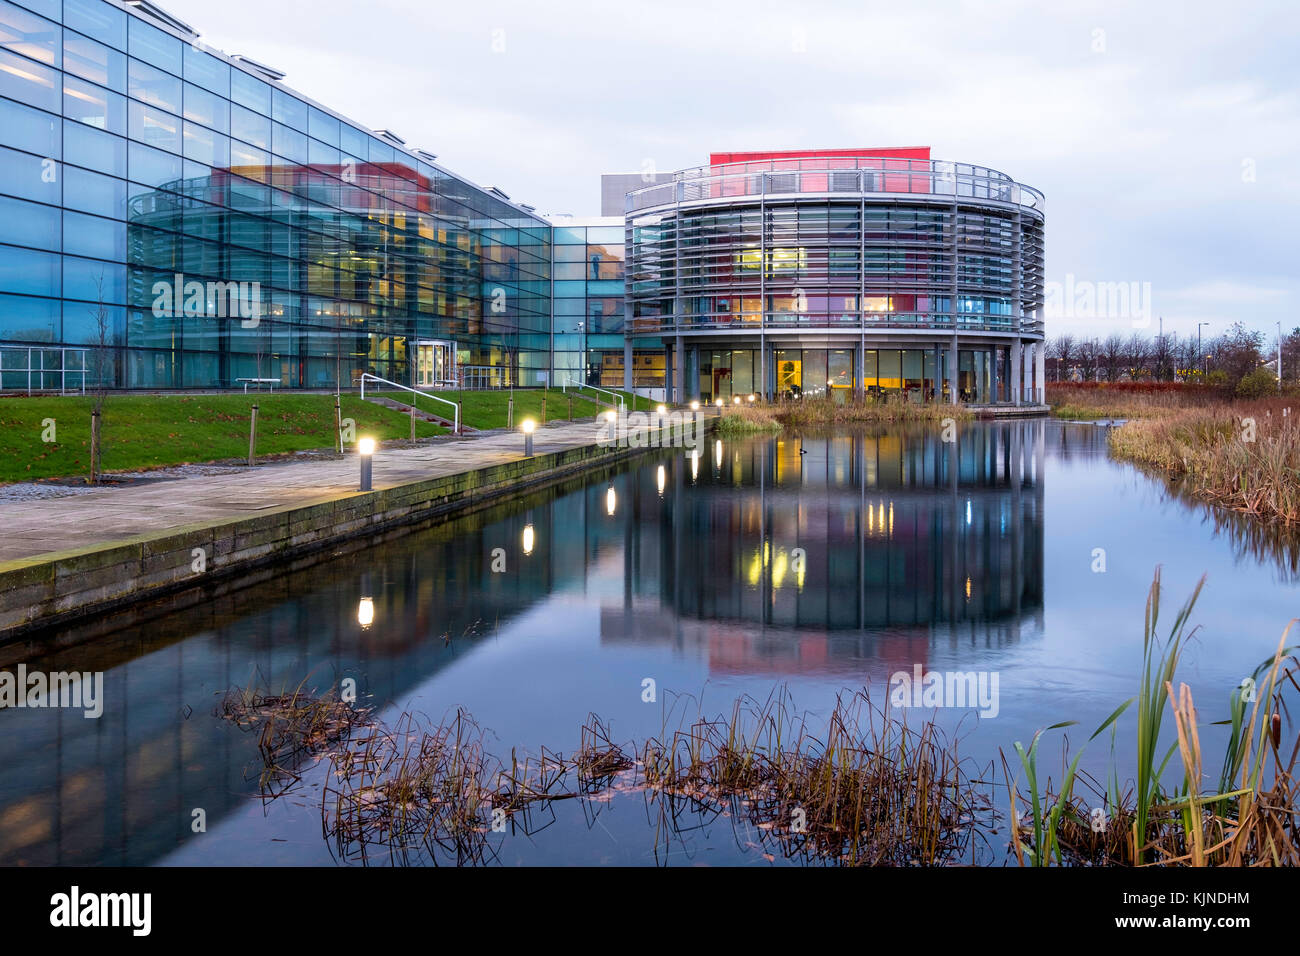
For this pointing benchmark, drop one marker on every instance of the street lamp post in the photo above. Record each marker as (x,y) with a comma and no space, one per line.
(1205,362)
(366,449)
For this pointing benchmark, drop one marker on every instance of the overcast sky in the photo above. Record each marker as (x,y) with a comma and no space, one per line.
(1166,136)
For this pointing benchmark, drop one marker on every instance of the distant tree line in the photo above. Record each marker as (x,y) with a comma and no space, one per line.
(1238,359)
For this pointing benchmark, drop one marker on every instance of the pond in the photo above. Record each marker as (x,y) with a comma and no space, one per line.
(810,564)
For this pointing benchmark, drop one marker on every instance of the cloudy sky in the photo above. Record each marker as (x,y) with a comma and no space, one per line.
(1166,135)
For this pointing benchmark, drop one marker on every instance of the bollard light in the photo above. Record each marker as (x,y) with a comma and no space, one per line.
(366,449)
(753,397)
(718,403)
(737,400)
(695,406)
(527,426)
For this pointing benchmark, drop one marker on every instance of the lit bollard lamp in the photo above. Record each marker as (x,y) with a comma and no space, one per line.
(527,426)
(366,449)
(660,412)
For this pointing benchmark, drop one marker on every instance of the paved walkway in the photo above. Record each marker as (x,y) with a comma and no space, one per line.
(34,527)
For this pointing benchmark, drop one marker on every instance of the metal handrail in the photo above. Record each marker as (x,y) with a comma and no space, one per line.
(622,407)
(868,175)
(376,378)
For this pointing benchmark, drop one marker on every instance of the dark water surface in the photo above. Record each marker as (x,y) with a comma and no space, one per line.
(685,573)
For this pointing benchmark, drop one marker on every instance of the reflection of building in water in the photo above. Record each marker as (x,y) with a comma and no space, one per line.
(795,549)
(908,542)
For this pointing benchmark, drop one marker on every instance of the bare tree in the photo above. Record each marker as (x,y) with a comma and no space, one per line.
(1062,349)
(1112,355)
(1089,352)
(1137,350)
(103,365)
(1162,356)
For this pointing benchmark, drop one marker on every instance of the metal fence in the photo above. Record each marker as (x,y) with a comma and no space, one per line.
(37,368)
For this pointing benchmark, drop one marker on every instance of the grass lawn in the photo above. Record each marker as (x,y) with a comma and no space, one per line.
(148,431)
(151,431)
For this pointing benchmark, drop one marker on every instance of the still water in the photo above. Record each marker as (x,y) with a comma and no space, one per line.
(816,563)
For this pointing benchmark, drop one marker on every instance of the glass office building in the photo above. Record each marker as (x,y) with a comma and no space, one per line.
(840,272)
(175,218)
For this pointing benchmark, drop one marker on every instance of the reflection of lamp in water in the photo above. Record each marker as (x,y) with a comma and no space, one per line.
(717,452)
(661,479)
(611,501)
(695,464)
(529,535)
(366,606)
(366,449)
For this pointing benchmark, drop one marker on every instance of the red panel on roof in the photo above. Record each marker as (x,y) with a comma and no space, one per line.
(892,152)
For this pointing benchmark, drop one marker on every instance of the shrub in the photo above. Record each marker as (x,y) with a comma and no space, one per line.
(1258,384)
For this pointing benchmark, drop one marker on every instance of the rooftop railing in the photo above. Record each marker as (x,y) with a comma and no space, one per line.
(866,175)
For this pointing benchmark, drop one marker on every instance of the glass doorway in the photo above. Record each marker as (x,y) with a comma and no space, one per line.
(435,364)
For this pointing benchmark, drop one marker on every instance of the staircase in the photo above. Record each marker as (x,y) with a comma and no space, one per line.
(420,414)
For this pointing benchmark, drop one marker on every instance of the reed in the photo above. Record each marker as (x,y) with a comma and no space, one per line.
(1244,457)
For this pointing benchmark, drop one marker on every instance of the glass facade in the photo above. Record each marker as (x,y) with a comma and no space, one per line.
(587,298)
(197,223)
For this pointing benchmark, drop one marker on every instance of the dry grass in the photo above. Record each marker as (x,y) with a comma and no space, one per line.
(827,411)
(291,726)
(1090,401)
(737,420)
(1244,456)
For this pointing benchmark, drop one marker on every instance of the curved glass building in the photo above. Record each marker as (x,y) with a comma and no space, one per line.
(840,272)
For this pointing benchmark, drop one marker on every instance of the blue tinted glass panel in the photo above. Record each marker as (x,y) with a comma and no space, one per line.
(81,322)
(205,146)
(34,37)
(153,46)
(94,105)
(28,82)
(151,167)
(92,236)
(322,126)
(318,154)
(153,86)
(94,61)
(290,144)
(207,71)
(94,149)
(93,192)
(29,320)
(97,20)
(353,141)
(31,177)
(250,160)
(28,129)
(29,272)
(605,234)
(50,9)
(380,152)
(207,108)
(29,224)
(155,127)
(250,91)
(250,127)
(93,281)
(288,110)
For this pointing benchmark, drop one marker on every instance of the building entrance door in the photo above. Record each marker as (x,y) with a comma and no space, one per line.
(435,364)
